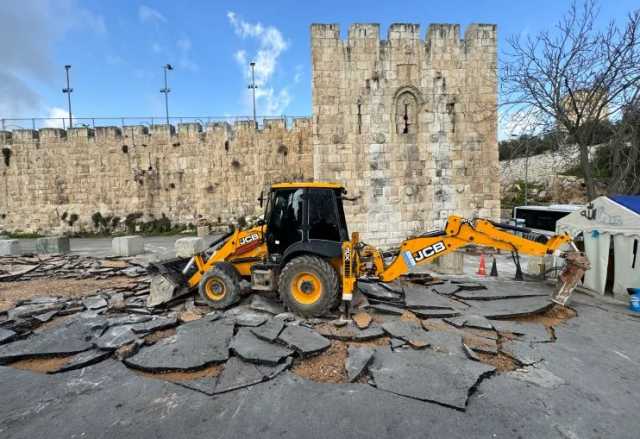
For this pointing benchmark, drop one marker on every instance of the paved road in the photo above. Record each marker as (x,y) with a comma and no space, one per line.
(156,247)
(590,390)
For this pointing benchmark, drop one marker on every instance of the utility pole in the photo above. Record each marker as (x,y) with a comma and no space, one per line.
(68,91)
(166,91)
(526,174)
(253,87)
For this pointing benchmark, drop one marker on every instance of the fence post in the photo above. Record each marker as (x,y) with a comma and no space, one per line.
(2,124)
(93,123)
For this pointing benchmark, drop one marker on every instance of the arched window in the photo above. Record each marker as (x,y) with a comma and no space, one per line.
(406,113)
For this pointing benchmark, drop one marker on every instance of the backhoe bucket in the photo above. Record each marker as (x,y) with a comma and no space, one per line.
(575,266)
(169,281)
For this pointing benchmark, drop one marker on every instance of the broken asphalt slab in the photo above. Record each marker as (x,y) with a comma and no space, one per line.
(83,359)
(261,303)
(523,352)
(418,296)
(386,309)
(358,358)
(243,315)
(375,290)
(249,347)
(196,345)
(350,332)
(70,338)
(528,331)
(115,337)
(427,375)
(270,330)
(6,335)
(446,289)
(304,340)
(237,374)
(508,308)
(409,331)
(505,290)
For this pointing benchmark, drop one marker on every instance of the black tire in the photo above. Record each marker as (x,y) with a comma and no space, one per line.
(229,268)
(219,277)
(324,274)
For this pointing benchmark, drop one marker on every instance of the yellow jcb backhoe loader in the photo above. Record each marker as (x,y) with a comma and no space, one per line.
(302,250)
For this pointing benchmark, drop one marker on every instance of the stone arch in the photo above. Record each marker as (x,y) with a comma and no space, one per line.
(407,104)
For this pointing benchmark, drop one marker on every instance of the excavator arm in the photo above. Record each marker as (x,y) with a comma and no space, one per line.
(366,260)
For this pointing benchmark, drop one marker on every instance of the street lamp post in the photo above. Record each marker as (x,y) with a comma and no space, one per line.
(166,91)
(68,91)
(253,87)
(526,173)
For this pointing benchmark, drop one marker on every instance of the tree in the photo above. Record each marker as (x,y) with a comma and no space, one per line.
(575,78)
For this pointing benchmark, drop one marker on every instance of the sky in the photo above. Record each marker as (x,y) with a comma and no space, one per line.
(117,50)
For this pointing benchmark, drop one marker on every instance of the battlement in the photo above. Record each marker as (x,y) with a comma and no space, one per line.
(187,130)
(437,35)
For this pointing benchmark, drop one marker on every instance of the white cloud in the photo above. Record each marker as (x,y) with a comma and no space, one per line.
(150,15)
(271,44)
(297,77)
(241,57)
(56,116)
(185,62)
(516,122)
(27,36)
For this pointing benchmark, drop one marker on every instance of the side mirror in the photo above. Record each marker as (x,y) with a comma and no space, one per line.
(261,199)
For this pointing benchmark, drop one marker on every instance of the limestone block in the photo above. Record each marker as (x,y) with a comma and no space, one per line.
(9,247)
(127,245)
(202,231)
(53,244)
(537,265)
(189,246)
(452,263)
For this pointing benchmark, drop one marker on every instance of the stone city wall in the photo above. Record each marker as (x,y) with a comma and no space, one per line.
(217,173)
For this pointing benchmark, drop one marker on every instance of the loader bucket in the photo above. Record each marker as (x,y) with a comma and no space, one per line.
(171,276)
(576,263)
(168,282)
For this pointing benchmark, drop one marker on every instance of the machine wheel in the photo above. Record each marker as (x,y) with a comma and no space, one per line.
(228,268)
(219,288)
(309,286)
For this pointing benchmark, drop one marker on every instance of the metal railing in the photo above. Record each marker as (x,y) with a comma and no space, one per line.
(36,123)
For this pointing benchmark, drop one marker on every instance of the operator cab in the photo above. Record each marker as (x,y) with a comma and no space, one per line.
(305,217)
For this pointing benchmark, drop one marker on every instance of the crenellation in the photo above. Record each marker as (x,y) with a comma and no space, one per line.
(363,31)
(5,137)
(80,133)
(135,130)
(51,133)
(325,31)
(108,133)
(403,31)
(277,123)
(162,130)
(25,135)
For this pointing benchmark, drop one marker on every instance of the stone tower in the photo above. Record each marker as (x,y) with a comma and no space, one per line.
(408,125)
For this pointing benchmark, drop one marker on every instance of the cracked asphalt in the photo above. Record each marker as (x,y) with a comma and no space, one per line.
(587,387)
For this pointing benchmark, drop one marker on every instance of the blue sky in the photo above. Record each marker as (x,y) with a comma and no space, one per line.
(117,49)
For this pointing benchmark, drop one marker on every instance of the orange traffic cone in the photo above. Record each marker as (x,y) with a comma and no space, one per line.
(482,269)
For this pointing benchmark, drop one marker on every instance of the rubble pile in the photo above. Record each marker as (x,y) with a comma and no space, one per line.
(25,268)
(422,339)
